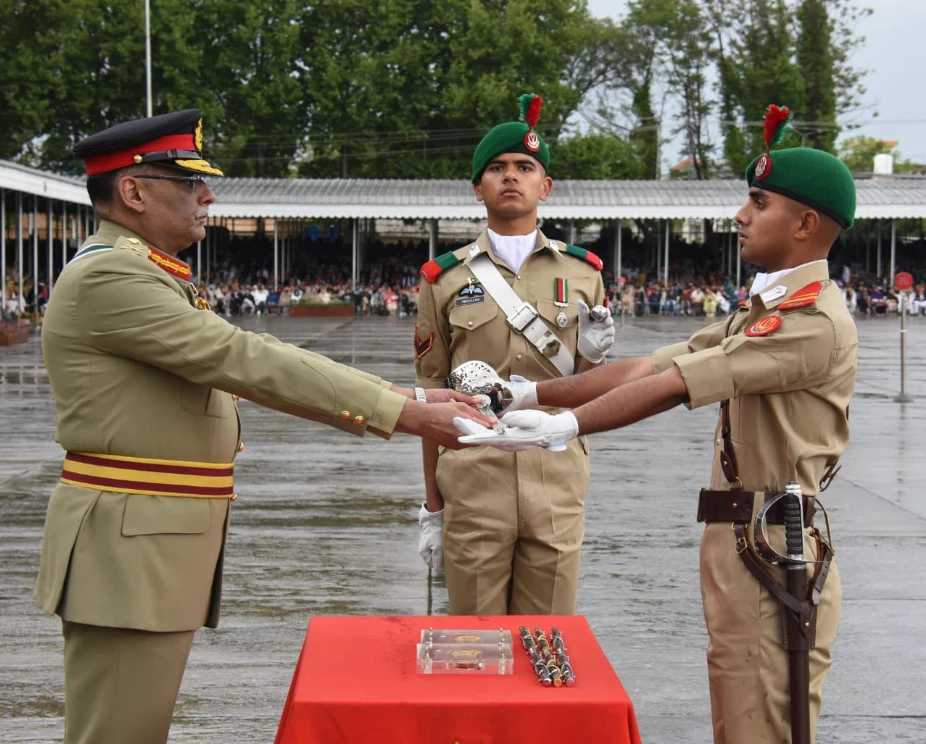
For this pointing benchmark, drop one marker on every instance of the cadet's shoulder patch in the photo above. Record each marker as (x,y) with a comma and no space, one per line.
(764,327)
(435,267)
(132,244)
(804,297)
(587,256)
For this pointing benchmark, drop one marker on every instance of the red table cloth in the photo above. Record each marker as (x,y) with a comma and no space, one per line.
(356,681)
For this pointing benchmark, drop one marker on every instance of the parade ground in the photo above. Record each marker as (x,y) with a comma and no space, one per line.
(325,525)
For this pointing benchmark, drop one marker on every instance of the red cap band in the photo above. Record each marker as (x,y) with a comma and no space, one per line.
(111,161)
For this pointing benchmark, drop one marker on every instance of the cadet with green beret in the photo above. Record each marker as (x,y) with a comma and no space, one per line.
(145,385)
(783,369)
(508,528)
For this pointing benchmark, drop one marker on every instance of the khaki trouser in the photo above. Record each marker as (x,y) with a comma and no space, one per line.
(747,666)
(120,685)
(513,528)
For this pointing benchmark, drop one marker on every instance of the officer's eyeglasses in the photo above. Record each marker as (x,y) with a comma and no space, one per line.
(193,181)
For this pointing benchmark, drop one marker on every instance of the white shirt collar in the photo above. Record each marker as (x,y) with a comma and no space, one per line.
(512,249)
(763,280)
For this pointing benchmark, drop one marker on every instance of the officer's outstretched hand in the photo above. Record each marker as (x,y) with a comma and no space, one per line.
(522,430)
(435,421)
(596,337)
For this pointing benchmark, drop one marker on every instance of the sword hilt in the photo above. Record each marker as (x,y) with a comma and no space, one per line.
(794,522)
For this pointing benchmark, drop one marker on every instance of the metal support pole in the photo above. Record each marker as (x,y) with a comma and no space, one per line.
(64,234)
(890,277)
(20,258)
(878,267)
(903,397)
(199,262)
(276,252)
(49,225)
(619,258)
(432,239)
(35,251)
(3,248)
(665,267)
(353,268)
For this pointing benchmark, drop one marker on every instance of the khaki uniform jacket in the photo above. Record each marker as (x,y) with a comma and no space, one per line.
(453,329)
(455,326)
(136,370)
(789,390)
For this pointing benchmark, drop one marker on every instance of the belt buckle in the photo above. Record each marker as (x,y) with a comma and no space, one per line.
(523,317)
(741,543)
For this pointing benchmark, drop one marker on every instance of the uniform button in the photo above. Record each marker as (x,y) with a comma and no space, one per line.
(517,276)
(233,497)
(235,398)
(718,441)
(241,446)
(518,357)
(359,419)
(344,415)
(469,323)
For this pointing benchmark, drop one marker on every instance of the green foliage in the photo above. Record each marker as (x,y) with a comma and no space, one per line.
(598,156)
(407,88)
(858,153)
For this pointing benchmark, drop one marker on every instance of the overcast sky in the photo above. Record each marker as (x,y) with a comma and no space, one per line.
(893,53)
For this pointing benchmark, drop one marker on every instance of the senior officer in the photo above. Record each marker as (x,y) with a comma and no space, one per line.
(508,527)
(145,385)
(783,368)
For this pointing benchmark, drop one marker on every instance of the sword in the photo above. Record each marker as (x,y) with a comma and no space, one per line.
(798,626)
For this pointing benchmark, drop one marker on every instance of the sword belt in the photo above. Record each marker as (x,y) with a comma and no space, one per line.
(149,476)
(737,507)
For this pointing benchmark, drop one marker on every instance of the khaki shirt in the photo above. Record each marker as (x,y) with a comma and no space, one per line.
(789,391)
(453,328)
(136,370)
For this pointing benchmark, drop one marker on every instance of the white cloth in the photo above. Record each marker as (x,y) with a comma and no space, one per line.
(763,280)
(513,249)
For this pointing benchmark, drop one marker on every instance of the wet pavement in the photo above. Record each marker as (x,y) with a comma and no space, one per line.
(326,525)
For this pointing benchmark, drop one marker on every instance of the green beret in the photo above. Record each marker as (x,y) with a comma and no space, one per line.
(812,177)
(513,136)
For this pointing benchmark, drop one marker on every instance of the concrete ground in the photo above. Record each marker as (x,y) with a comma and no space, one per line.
(326,525)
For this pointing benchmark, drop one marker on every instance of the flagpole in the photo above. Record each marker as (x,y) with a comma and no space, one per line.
(148,51)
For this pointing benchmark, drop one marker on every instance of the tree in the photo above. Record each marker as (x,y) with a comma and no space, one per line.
(597,156)
(858,153)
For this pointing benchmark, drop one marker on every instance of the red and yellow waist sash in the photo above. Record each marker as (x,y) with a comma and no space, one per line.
(196,480)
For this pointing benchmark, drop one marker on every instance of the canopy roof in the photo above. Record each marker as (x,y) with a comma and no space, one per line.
(886,197)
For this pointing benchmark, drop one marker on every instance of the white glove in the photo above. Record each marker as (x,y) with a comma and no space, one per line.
(430,538)
(522,430)
(523,393)
(596,337)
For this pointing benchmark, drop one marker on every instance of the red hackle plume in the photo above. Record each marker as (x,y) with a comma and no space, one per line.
(532,115)
(776,124)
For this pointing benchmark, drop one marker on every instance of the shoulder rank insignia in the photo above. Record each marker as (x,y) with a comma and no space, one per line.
(434,268)
(587,256)
(804,297)
(764,327)
(423,345)
(171,265)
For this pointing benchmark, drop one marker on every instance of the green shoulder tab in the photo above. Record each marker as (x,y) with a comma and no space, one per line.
(434,268)
(587,256)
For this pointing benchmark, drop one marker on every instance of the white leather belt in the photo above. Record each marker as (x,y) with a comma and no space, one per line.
(522,316)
